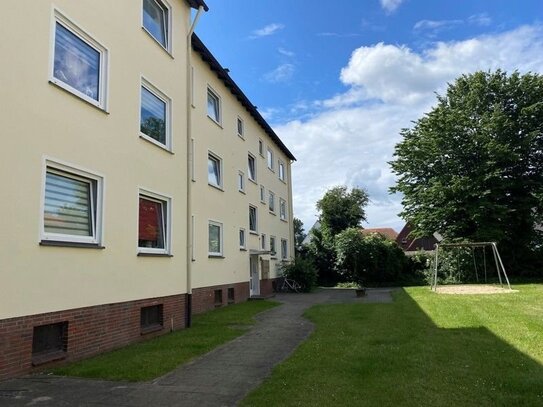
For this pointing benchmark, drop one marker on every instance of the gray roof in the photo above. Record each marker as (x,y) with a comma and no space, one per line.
(223,75)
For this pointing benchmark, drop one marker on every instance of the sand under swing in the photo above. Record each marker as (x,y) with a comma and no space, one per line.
(473,289)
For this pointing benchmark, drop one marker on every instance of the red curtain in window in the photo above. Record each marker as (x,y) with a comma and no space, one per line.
(149,218)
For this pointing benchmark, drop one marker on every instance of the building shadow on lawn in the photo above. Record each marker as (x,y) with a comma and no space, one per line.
(463,365)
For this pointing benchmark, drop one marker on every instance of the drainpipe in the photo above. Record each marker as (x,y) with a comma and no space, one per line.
(290,211)
(190,159)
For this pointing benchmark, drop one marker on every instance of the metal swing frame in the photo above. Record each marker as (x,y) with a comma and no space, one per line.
(496,254)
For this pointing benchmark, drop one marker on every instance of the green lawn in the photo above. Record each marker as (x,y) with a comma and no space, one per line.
(424,349)
(155,357)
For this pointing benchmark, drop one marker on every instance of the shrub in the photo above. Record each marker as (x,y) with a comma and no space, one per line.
(370,258)
(302,271)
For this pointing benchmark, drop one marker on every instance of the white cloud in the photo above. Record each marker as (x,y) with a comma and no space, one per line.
(286,52)
(432,27)
(280,74)
(270,29)
(435,24)
(350,137)
(482,19)
(390,5)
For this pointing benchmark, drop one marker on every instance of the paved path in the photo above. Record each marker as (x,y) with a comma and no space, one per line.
(220,378)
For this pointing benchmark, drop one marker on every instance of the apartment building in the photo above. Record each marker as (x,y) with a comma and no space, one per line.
(117,231)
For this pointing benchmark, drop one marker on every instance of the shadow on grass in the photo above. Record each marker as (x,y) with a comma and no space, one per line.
(394,354)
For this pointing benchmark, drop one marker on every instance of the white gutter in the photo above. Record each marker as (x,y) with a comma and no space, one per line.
(190,166)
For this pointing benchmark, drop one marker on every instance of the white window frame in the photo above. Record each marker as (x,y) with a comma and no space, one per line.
(238,122)
(168,47)
(263,194)
(253,231)
(249,155)
(221,172)
(103,73)
(221,238)
(168,101)
(281,164)
(242,245)
(164,199)
(261,147)
(284,253)
(270,159)
(241,181)
(263,241)
(273,253)
(211,91)
(282,213)
(97,202)
(271,200)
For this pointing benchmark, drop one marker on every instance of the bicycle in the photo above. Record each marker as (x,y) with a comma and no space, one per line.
(287,285)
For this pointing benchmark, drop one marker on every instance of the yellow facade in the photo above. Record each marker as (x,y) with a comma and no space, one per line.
(43,122)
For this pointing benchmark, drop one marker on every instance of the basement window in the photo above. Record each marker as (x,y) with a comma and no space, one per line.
(231,295)
(218,298)
(49,342)
(151,318)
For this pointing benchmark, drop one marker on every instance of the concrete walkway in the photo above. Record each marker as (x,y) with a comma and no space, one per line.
(220,378)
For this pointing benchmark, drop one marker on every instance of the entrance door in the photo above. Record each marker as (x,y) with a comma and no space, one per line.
(254,281)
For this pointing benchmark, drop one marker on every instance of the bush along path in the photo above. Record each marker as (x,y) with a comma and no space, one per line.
(222,377)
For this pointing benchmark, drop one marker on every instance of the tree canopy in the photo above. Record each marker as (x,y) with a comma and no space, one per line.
(473,166)
(340,209)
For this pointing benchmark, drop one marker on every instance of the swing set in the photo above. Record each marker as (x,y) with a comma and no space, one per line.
(473,246)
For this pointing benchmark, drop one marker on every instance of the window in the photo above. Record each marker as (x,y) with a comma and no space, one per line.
(240,127)
(241,182)
(153,223)
(231,295)
(282,209)
(253,221)
(262,194)
(261,148)
(214,170)
(154,115)
(72,205)
(281,170)
(272,245)
(271,201)
(284,248)
(152,318)
(213,106)
(218,298)
(263,241)
(79,63)
(49,342)
(242,238)
(215,238)
(270,159)
(156,21)
(251,167)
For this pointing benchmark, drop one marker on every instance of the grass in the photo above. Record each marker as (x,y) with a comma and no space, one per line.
(156,357)
(424,349)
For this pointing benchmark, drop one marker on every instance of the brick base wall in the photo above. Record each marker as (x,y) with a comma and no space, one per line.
(91,330)
(203,299)
(266,287)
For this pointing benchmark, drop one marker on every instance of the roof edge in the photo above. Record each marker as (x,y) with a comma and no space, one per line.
(197,3)
(223,75)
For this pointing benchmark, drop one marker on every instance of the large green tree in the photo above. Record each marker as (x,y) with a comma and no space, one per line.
(299,234)
(340,209)
(472,167)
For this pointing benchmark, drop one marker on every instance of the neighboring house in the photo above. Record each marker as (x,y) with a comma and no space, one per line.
(145,187)
(410,244)
(387,233)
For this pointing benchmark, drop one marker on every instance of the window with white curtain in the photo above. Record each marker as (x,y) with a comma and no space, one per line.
(213,106)
(79,62)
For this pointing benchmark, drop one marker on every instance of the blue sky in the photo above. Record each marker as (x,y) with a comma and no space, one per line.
(337,81)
